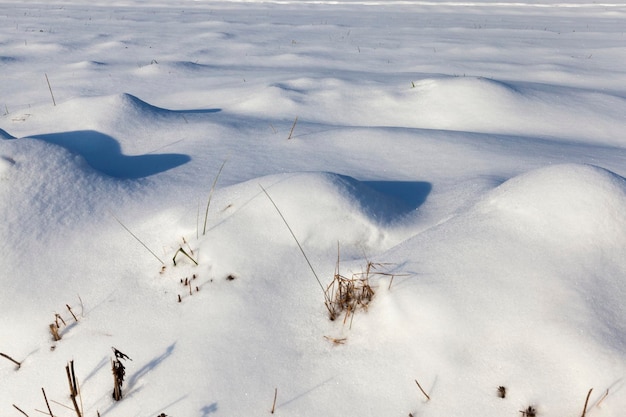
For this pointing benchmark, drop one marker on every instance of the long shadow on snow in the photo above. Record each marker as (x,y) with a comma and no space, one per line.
(103,153)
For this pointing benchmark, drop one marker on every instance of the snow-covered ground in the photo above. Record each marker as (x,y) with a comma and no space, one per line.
(472,153)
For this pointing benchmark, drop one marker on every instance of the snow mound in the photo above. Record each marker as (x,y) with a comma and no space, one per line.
(528,283)
(322,209)
(577,203)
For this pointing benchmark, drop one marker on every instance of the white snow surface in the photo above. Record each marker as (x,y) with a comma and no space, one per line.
(473,153)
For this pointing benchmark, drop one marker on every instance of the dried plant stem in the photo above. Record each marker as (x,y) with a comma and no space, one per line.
(20,410)
(422,389)
(82,307)
(50,88)
(71,312)
(299,246)
(274,403)
(47,404)
(606,394)
(206,213)
(54,329)
(586,402)
(11,359)
(390,282)
(138,240)
(184,253)
(292,128)
(71,379)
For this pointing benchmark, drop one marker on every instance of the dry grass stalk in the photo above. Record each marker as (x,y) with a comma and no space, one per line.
(50,88)
(327,301)
(58,317)
(606,394)
(422,389)
(274,403)
(336,341)
(54,329)
(586,402)
(119,372)
(71,312)
(181,250)
(292,128)
(20,410)
(47,404)
(74,392)
(137,239)
(206,213)
(4,355)
(348,294)
(529,412)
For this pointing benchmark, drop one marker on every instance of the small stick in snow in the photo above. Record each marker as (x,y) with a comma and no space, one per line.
(292,128)
(586,402)
(4,355)
(71,312)
(20,410)
(422,389)
(274,403)
(136,238)
(606,394)
(54,329)
(50,88)
(46,399)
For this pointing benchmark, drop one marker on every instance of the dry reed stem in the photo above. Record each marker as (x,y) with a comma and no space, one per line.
(206,214)
(422,389)
(4,355)
(47,404)
(292,128)
(606,394)
(336,341)
(54,329)
(71,312)
(20,410)
(137,239)
(274,403)
(50,88)
(327,301)
(71,379)
(586,402)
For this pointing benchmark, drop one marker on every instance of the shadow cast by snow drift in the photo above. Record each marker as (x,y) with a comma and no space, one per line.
(103,153)
(411,193)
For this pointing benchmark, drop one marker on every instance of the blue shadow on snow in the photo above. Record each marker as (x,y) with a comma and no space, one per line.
(412,193)
(103,153)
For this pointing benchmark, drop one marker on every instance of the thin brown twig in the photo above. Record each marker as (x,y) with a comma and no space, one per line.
(20,410)
(46,399)
(586,402)
(71,379)
(274,403)
(50,88)
(606,394)
(292,128)
(61,404)
(11,359)
(71,312)
(82,306)
(422,389)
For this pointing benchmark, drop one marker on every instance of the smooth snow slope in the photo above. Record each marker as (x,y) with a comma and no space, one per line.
(473,152)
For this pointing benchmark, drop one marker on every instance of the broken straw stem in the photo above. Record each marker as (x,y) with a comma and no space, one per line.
(50,88)
(422,389)
(11,359)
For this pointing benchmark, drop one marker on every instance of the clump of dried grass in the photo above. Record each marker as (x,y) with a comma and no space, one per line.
(347,295)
